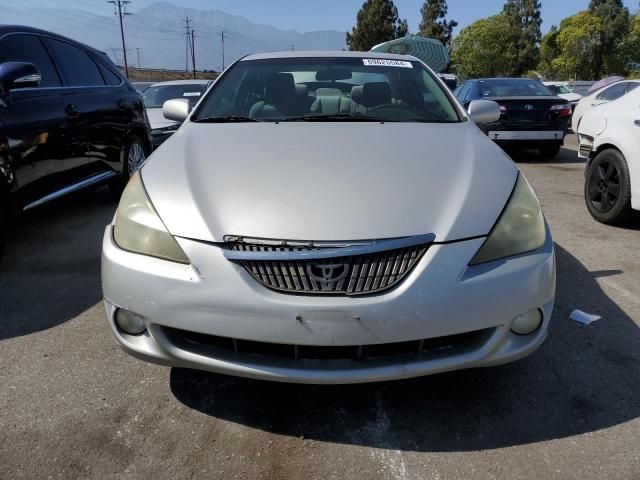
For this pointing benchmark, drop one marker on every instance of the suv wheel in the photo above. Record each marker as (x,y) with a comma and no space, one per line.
(134,154)
(549,150)
(607,188)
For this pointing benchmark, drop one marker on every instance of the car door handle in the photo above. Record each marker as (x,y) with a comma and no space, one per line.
(71,110)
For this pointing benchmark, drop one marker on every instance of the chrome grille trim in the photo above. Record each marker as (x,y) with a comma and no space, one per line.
(288,251)
(361,269)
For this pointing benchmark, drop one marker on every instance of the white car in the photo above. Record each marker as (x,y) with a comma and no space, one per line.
(610,142)
(329,217)
(564,92)
(599,97)
(154,97)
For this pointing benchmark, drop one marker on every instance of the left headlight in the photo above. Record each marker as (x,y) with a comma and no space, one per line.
(138,227)
(520,229)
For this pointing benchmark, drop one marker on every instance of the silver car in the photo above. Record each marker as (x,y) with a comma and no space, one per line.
(329,218)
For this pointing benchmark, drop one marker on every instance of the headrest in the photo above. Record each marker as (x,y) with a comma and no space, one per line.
(279,88)
(372,94)
(301,90)
(328,92)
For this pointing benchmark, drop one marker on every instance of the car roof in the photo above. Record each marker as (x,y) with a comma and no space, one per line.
(329,54)
(504,78)
(182,82)
(7,29)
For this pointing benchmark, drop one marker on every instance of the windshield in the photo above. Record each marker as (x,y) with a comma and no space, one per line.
(508,87)
(558,89)
(154,97)
(341,89)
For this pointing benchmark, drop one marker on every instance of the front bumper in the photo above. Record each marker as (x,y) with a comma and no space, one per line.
(526,135)
(441,297)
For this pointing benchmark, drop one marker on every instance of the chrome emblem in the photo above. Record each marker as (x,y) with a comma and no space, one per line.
(528,106)
(328,275)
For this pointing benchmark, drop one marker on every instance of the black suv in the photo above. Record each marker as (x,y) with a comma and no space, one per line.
(68,120)
(531,115)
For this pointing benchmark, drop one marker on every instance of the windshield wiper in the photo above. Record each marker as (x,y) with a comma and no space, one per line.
(227,119)
(337,117)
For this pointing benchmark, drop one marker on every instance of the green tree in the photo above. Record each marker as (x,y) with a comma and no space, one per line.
(549,51)
(614,25)
(525,33)
(578,40)
(377,22)
(629,49)
(480,50)
(434,23)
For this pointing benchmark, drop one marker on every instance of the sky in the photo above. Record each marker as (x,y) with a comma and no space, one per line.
(305,15)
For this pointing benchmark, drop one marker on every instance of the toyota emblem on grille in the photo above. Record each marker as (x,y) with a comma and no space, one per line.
(327,275)
(528,106)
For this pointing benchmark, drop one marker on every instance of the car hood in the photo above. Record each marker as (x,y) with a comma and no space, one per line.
(329,181)
(157,120)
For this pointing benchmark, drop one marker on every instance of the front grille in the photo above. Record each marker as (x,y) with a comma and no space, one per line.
(215,346)
(339,275)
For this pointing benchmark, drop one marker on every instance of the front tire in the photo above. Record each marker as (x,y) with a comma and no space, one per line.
(134,153)
(549,150)
(607,188)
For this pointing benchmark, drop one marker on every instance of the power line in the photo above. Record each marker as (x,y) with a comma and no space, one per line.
(120,13)
(223,34)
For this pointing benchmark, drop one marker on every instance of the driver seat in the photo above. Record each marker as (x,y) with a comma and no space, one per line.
(371,95)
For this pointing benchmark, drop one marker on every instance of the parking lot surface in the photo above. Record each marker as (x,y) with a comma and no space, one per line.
(73,405)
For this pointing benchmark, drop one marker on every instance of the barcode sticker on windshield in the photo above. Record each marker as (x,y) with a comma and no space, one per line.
(381,62)
(191,94)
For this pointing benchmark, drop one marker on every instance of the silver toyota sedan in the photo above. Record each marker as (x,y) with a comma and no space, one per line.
(328,217)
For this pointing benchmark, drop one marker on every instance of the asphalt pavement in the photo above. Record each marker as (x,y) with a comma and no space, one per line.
(74,406)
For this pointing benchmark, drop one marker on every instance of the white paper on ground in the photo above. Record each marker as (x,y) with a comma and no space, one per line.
(583,318)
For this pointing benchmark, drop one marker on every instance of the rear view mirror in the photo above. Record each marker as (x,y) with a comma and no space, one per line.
(176,109)
(484,111)
(18,75)
(333,74)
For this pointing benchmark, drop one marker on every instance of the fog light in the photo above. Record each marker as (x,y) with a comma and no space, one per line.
(130,322)
(527,323)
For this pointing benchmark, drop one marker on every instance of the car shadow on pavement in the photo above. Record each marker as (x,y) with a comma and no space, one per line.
(566,156)
(50,271)
(583,379)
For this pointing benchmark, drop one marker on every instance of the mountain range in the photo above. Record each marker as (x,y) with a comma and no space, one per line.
(157,34)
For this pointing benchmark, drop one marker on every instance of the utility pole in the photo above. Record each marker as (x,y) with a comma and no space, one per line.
(193,52)
(138,51)
(119,4)
(187,33)
(223,34)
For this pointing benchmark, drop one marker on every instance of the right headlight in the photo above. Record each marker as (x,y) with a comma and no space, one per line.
(520,229)
(138,227)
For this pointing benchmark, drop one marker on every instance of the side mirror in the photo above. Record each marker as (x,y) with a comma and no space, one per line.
(18,75)
(484,111)
(176,109)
